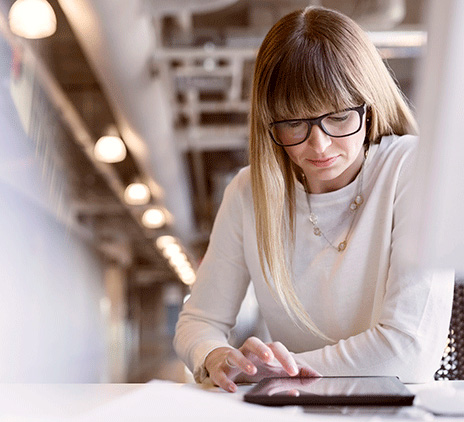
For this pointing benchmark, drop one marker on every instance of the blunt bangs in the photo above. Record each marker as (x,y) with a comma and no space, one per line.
(306,85)
(313,76)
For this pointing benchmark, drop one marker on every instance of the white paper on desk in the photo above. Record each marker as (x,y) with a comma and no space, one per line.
(164,401)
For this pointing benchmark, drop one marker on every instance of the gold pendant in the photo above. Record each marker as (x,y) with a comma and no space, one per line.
(357,202)
(342,246)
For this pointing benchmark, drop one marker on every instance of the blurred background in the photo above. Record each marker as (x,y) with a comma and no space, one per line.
(121,123)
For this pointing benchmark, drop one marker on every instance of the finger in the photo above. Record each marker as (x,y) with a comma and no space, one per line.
(306,371)
(224,382)
(255,346)
(235,359)
(229,363)
(285,358)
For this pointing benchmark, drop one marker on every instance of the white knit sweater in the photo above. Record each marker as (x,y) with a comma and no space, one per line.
(387,318)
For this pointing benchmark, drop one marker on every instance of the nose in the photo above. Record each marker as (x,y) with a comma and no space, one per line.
(318,140)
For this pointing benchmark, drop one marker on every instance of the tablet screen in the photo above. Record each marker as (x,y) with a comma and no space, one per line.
(330,390)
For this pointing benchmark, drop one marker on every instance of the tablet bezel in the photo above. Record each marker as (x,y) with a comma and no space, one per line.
(399,396)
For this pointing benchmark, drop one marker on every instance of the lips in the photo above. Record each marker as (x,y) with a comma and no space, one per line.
(325,162)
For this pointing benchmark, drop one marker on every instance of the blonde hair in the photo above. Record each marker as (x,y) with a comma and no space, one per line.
(311,60)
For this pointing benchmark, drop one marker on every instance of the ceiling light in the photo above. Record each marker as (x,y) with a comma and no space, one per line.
(163,241)
(187,275)
(137,194)
(154,218)
(171,250)
(110,149)
(178,260)
(32,19)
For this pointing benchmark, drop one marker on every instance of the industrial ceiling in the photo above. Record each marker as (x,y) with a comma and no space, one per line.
(173,77)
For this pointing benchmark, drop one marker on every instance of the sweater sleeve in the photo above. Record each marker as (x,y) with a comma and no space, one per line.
(409,337)
(222,280)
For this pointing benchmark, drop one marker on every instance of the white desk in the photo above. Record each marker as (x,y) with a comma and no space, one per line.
(162,401)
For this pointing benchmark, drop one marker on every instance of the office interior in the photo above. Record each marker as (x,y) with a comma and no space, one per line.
(94,274)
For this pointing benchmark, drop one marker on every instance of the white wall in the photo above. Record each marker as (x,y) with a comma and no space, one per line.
(50,291)
(438,229)
(52,325)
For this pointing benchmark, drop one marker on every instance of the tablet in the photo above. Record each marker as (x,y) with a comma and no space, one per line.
(336,391)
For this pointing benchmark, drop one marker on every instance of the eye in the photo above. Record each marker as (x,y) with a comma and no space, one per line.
(294,124)
(338,117)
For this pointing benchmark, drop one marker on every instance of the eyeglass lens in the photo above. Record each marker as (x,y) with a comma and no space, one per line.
(340,124)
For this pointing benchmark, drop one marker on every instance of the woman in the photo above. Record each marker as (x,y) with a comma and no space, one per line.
(318,222)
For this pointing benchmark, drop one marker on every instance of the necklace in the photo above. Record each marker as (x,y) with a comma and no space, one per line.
(357,201)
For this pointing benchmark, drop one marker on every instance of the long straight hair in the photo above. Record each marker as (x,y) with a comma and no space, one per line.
(311,60)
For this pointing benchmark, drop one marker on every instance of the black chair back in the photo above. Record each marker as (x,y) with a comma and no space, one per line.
(452,362)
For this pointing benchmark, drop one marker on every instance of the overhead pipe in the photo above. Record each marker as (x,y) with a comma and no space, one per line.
(117,38)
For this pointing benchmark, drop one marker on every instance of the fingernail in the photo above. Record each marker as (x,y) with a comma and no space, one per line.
(251,369)
(295,370)
(268,357)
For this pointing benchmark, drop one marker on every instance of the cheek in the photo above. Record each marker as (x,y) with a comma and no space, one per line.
(353,146)
(295,154)
(353,150)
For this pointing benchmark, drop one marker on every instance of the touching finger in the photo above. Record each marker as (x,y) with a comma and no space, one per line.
(236,360)
(255,346)
(285,358)
(306,371)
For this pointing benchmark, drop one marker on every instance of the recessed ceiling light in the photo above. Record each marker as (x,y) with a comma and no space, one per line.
(110,149)
(154,218)
(32,19)
(137,194)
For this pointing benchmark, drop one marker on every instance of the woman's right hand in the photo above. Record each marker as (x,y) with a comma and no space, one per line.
(253,361)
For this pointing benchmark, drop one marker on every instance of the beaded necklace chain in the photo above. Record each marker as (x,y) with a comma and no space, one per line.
(357,201)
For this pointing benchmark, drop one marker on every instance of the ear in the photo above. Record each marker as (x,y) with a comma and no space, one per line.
(368,125)
(368,120)
(368,115)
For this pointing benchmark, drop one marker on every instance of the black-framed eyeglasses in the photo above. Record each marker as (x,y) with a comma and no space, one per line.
(338,124)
